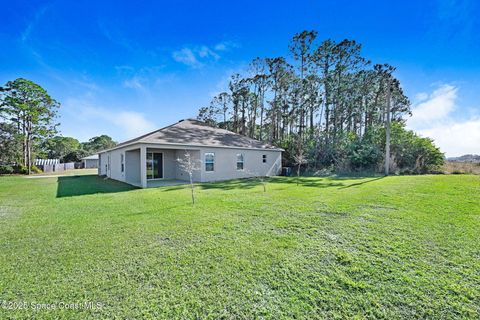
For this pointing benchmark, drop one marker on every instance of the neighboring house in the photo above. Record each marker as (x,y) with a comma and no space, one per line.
(221,155)
(90,162)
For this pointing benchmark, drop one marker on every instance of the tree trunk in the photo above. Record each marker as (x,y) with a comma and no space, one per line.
(243,116)
(192,188)
(298,173)
(311,117)
(29,155)
(261,121)
(235,115)
(387,133)
(24,142)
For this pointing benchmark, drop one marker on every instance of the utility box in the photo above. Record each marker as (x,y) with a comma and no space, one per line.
(286,171)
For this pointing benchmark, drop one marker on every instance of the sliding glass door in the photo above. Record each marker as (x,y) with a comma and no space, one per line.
(154,165)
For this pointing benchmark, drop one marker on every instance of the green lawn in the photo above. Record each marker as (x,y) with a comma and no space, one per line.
(396,247)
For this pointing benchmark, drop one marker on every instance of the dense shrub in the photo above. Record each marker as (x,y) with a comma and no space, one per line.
(415,153)
(18,169)
(410,153)
(21,169)
(36,169)
(6,169)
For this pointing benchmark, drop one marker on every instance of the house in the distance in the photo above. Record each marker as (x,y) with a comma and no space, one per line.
(150,159)
(90,162)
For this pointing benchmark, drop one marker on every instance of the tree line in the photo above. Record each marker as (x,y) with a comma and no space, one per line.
(29,129)
(326,104)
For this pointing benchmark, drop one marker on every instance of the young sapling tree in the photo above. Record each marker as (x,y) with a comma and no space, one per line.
(299,159)
(255,175)
(189,165)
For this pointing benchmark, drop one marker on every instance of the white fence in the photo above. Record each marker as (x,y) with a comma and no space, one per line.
(53,165)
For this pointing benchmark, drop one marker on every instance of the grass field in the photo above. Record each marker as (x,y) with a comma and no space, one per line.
(397,247)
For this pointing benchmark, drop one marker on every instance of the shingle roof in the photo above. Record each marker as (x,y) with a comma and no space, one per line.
(193,132)
(92,157)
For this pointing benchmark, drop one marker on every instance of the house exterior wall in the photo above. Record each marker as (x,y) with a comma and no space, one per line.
(225,166)
(90,163)
(182,174)
(101,164)
(114,170)
(132,167)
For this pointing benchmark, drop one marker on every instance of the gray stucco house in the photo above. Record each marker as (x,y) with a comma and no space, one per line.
(148,160)
(90,162)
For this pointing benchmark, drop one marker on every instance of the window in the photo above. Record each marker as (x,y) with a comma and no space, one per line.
(239,161)
(209,161)
(264,158)
(122,162)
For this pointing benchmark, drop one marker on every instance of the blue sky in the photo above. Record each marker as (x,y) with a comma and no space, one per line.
(126,68)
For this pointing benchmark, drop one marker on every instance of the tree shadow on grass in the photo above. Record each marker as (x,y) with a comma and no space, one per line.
(249,183)
(70,186)
(362,182)
(307,182)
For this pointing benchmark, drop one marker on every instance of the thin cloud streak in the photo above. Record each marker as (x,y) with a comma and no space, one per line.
(25,36)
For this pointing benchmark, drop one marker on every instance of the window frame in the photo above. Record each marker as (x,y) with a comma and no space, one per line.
(242,161)
(212,162)
(122,162)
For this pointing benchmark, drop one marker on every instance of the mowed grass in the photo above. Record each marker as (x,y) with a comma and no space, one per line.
(397,247)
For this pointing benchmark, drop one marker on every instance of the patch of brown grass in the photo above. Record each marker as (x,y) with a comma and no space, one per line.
(455,167)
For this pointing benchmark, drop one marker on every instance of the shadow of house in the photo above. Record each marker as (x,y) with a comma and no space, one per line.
(70,186)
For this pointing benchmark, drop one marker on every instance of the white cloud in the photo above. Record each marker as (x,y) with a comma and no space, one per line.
(456,138)
(436,116)
(205,52)
(435,106)
(99,120)
(134,123)
(198,56)
(144,79)
(422,96)
(133,83)
(226,45)
(187,56)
